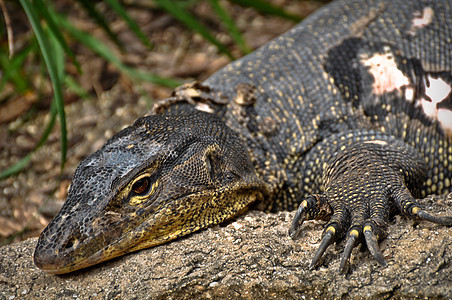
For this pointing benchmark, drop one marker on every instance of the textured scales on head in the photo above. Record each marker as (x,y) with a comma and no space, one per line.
(154,181)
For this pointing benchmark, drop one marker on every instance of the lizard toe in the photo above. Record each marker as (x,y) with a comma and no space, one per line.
(372,244)
(313,207)
(352,238)
(328,238)
(410,207)
(422,214)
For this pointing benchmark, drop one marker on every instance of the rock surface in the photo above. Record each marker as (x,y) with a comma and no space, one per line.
(251,258)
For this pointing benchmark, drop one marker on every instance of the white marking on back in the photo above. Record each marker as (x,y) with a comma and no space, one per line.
(383,67)
(445,118)
(378,142)
(421,19)
(388,78)
(437,91)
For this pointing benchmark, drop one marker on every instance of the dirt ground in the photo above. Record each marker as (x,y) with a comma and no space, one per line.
(29,200)
(251,258)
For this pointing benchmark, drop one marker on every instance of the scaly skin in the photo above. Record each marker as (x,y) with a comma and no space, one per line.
(348,115)
(161,178)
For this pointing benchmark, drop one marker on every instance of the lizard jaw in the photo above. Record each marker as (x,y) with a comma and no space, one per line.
(159,228)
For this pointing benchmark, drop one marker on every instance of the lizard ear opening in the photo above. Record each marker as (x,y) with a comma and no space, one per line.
(213,163)
(71,242)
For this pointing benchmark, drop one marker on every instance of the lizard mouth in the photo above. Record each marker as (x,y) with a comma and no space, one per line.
(74,254)
(154,229)
(75,257)
(159,227)
(58,264)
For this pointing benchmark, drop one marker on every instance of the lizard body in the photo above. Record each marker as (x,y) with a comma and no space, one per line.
(347,116)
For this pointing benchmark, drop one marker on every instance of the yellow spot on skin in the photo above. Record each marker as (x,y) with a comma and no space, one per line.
(367,228)
(331,229)
(130,146)
(415,210)
(354,232)
(204,107)
(304,203)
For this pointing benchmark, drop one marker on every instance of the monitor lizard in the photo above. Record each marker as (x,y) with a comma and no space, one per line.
(346,118)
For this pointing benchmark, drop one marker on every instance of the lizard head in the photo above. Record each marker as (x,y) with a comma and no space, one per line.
(159,179)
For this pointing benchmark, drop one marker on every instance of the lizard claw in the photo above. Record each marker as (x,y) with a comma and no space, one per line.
(326,241)
(363,182)
(351,241)
(372,245)
(313,207)
(422,214)
(299,218)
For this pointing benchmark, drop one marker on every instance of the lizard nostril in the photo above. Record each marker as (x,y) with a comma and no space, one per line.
(71,242)
(52,259)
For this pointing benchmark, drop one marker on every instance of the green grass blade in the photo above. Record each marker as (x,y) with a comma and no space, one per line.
(103,51)
(119,9)
(54,71)
(146,76)
(268,8)
(17,167)
(11,68)
(23,163)
(48,16)
(73,86)
(234,32)
(58,54)
(100,20)
(176,10)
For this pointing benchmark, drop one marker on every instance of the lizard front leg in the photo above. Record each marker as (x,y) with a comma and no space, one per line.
(363,182)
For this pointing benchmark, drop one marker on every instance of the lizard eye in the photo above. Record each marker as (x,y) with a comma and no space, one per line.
(141,186)
(142,189)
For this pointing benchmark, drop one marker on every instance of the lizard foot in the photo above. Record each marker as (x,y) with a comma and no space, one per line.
(362,187)
(350,224)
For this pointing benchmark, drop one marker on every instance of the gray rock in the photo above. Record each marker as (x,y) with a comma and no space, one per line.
(251,257)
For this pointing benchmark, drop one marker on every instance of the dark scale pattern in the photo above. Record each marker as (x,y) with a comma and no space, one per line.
(345,117)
